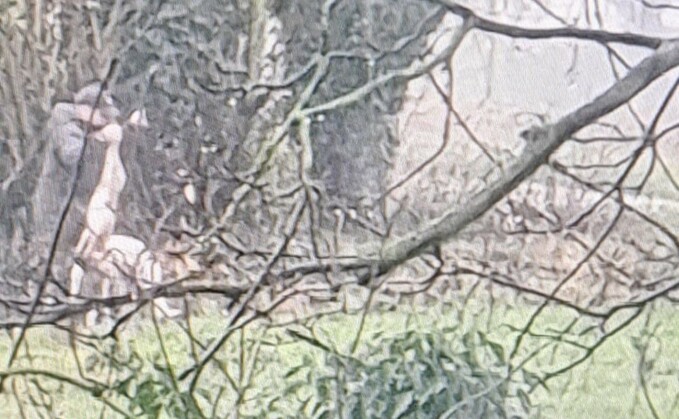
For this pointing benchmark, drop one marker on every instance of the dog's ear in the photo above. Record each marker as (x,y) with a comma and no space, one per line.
(111,133)
(138,118)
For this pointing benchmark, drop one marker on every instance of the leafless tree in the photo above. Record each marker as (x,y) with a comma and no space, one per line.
(304,158)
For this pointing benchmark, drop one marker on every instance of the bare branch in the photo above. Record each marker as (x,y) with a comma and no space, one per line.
(542,142)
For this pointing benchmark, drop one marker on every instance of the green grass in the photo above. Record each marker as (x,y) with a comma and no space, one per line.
(607,385)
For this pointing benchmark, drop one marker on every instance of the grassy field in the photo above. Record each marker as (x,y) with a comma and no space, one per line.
(270,371)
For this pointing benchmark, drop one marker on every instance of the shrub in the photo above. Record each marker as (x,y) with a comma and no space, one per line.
(414,375)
